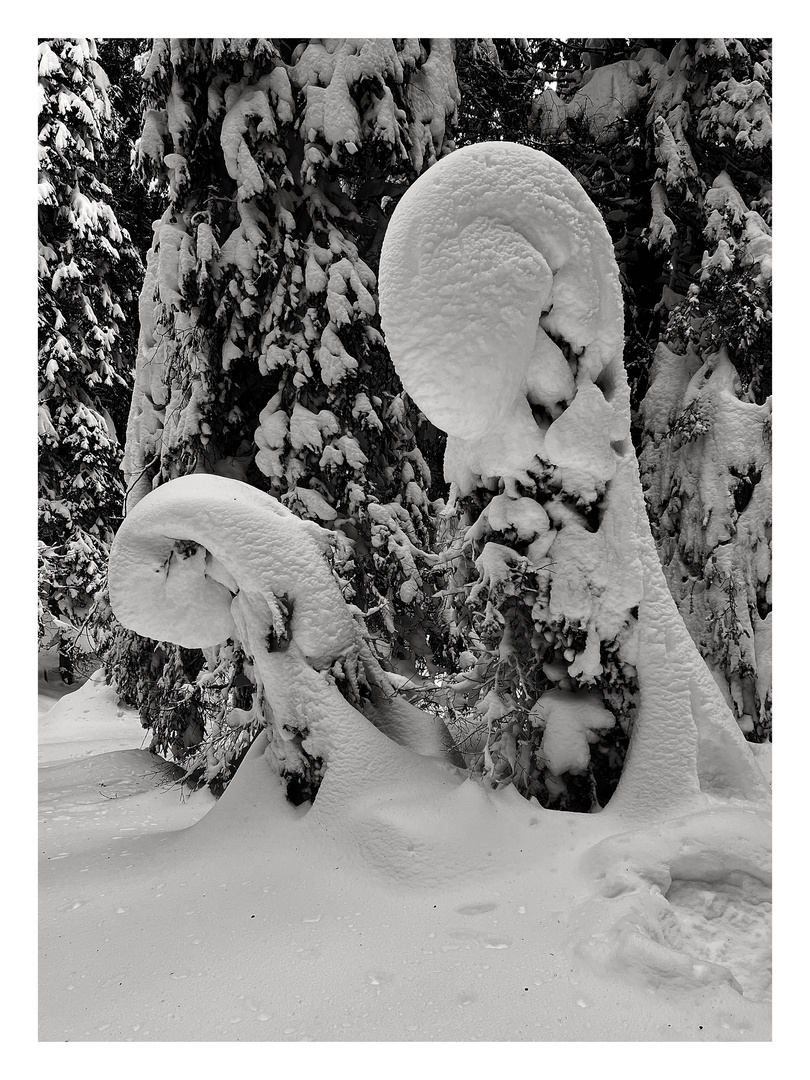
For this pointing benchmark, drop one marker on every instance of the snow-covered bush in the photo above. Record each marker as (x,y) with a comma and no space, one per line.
(85,261)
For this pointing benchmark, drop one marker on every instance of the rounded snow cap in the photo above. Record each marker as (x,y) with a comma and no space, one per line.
(494,259)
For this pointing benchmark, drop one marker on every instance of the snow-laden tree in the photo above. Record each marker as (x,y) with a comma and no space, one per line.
(137,201)
(512,272)
(673,140)
(517,354)
(260,357)
(86,265)
(571,633)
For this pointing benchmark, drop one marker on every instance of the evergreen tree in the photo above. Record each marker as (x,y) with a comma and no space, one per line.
(136,204)
(260,356)
(137,201)
(86,266)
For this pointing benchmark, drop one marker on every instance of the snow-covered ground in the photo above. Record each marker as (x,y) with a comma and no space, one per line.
(433,911)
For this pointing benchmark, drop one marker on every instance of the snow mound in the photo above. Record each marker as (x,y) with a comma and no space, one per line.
(409,909)
(402,906)
(87,720)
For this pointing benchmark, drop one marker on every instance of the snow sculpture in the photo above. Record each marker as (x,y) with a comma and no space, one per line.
(205,558)
(502,311)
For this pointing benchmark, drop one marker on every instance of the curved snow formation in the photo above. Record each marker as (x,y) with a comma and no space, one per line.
(502,310)
(203,558)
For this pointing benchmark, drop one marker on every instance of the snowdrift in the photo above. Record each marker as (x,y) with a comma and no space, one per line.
(415,911)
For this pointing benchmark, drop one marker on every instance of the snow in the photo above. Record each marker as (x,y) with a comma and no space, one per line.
(433,96)
(314,505)
(308,428)
(579,442)
(269,437)
(329,71)
(525,516)
(726,208)
(162,589)
(335,361)
(741,111)
(496,255)
(669,152)
(153,137)
(411,902)
(408,906)
(497,246)
(243,103)
(663,229)
(206,558)
(390,828)
(692,482)
(569,719)
(48,60)
(607,96)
